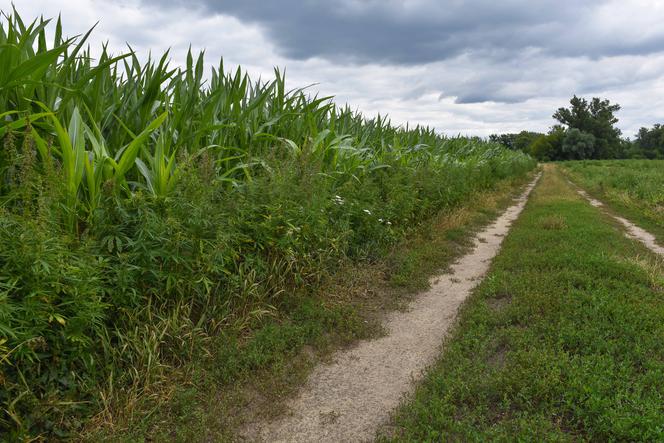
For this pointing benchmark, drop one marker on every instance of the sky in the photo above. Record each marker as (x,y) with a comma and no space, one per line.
(463,67)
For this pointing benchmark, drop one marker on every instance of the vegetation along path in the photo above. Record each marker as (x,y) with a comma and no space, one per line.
(633,189)
(348,399)
(632,230)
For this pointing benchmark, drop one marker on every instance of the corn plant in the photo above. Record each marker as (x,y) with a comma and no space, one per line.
(144,207)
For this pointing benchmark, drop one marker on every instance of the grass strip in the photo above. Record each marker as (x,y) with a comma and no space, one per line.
(561,342)
(631,188)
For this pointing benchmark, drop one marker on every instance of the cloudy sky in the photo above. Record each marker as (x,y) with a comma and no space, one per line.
(465,67)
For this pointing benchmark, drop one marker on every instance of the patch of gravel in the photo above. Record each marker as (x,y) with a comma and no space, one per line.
(347,399)
(632,231)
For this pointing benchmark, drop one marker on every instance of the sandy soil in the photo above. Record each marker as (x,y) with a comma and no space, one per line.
(348,399)
(632,230)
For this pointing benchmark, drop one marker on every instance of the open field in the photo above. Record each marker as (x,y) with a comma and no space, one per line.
(561,342)
(634,188)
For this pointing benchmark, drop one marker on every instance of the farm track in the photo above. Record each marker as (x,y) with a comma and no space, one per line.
(631,230)
(351,397)
(561,341)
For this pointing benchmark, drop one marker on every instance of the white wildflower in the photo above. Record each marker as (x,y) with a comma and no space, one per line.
(367,211)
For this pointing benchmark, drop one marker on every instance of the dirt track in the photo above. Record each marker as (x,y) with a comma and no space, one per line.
(348,399)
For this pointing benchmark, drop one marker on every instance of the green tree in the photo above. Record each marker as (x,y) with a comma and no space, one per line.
(506,140)
(524,139)
(629,149)
(578,145)
(521,141)
(542,149)
(595,117)
(650,142)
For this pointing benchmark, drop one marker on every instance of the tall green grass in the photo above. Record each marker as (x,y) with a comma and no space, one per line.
(634,188)
(641,181)
(145,208)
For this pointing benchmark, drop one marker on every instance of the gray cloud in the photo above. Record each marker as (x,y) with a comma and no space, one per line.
(425,31)
(461,67)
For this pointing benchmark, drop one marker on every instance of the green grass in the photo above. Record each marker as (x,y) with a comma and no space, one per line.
(248,372)
(633,188)
(561,342)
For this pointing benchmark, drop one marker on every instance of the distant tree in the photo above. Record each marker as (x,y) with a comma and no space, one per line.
(518,142)
(556,138)
(506,140)
(628,149)
(524,139)
(595,117)
(542,149)
(578,145)
(649,143)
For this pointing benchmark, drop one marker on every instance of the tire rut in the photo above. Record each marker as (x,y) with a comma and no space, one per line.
(631,230)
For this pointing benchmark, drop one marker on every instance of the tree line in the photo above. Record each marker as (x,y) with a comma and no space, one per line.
(586,130)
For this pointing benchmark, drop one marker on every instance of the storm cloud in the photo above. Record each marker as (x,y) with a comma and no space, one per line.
(425,31)
(470,67)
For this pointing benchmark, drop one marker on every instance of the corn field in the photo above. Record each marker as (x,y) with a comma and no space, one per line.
(146,207)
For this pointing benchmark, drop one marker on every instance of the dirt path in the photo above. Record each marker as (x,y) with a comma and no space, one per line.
(632,231)
(348,399)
